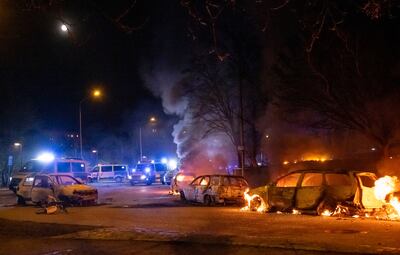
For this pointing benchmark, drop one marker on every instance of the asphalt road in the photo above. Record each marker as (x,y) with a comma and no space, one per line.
(148,219)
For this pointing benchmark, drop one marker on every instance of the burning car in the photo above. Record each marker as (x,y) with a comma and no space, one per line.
(319,191)
(211,189)
(37,188)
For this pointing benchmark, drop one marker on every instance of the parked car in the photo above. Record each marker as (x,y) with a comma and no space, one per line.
(66,166)
(111,172)
(169,175)
(212,189)
(181,180)
(318,191)
(37,188)
(148,173)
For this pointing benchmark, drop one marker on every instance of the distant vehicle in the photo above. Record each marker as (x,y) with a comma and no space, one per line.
(212,189)
(181,180)
(318,191)
(148,173)
(37,188)
(67,166)
(169,175)
(111,172)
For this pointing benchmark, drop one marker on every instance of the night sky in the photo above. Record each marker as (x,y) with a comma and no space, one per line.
(44,72)
(52,71)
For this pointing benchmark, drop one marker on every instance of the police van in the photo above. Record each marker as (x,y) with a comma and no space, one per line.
(68,166)
(110,172)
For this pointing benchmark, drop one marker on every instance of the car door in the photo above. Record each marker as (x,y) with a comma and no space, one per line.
(106,172)
(25,187)
(94,174)
(191,189)
(310,191)
(281,195)
(201,188)
(42,187)
(367,184)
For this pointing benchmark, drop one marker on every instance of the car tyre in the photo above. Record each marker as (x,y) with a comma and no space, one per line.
(326,204)
(208,201)
(182,196)
(118,179)
(21,200)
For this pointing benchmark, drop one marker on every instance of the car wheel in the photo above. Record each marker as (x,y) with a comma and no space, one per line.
(208,201)
(326,205)
(118,179)
(132,183)
(182,195)
(148,183)
(21,200)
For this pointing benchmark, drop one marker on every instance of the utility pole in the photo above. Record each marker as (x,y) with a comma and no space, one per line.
(140,143)
(241,147)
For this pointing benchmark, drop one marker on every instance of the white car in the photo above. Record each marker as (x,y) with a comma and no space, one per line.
(37,188)
(211,189)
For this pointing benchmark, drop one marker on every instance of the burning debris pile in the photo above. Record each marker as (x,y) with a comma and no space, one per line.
(254,203)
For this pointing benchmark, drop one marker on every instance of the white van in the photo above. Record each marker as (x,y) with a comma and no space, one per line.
(67,166)
(111,172)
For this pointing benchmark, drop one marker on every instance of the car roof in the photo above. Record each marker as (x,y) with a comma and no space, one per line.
(336,171)
(223,175)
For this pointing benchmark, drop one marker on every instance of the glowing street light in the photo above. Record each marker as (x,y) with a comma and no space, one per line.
(18,146)
(153,119)
(64,28)
(96,93)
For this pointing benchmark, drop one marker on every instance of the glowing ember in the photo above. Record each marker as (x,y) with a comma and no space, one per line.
(254,202)
(297,212)
(326,213)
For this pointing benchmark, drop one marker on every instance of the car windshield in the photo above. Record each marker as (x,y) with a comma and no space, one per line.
(36,166)
(143,167)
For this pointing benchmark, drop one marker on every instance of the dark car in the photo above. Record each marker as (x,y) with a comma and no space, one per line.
(318,191)
(148,173)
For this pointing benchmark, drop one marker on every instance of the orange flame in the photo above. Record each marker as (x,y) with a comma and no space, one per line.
(249,198)
(387,186)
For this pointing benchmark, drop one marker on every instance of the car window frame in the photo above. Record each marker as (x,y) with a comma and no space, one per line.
(317,173)
(346,174)
(300,178)
(197,178)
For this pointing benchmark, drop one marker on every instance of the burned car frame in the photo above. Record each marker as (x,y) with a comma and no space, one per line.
(38,188)
(212,189)
(317,191)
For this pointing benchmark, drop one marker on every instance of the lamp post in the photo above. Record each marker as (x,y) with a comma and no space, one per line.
(18,146)
(96,94)
(151,120)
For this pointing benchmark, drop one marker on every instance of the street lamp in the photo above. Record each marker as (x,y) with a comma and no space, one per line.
(95,94)
(18,146)
(64,28)
(152,120)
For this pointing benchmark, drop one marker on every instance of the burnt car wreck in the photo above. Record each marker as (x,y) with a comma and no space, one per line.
(321,192)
